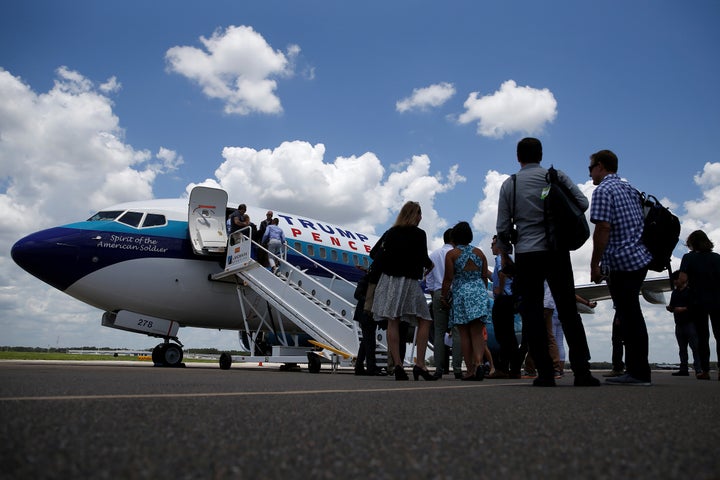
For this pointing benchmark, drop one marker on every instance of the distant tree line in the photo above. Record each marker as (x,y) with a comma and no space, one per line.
(33,349)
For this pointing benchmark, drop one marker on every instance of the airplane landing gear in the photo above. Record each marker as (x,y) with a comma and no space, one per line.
(290,367)
(314,363)
(167,355)
(225,361)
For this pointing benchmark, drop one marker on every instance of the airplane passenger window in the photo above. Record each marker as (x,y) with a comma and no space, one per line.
(366,262)
(298,246)
(345,258)
(131,218)
(355,260)
(333,255)
(153,220)
(105,216)
(311,250)
(323,252)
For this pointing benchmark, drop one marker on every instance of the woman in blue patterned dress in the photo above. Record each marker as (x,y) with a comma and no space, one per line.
(466,275)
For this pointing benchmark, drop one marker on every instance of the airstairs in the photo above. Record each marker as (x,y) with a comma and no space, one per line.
(313,306)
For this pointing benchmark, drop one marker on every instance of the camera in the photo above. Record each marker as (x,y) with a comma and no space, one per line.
(513,235)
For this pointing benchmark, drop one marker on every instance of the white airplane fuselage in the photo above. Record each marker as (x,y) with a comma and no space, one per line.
(138,257)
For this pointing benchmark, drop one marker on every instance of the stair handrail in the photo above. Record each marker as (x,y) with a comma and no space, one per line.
(335,305)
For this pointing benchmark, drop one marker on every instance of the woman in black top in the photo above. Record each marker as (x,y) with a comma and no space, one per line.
(402,257)
(700,269)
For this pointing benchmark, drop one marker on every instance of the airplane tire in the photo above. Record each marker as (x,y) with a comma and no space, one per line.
(225,361)
(172,355)
(158,354)
(313,363)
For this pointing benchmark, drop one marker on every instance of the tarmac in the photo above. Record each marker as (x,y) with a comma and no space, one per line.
(132,420)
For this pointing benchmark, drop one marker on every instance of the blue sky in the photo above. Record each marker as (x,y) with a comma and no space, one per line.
(342,111)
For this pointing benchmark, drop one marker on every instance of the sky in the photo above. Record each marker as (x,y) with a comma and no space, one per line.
(343,111)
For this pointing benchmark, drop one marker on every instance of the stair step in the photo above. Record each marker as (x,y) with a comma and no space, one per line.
(329,323)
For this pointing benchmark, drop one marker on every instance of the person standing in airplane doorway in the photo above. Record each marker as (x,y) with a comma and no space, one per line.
(237,218)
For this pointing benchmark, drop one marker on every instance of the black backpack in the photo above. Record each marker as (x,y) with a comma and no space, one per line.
(566,227)
(661,232)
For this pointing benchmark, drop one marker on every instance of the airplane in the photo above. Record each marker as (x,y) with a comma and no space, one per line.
(150,265)
(157,265)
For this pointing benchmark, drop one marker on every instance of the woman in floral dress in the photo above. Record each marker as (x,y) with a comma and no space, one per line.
(466,276)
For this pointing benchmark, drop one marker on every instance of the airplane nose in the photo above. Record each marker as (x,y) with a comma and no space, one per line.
(23,251)
(44,256)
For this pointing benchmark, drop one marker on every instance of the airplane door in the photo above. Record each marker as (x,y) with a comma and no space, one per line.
(206,220)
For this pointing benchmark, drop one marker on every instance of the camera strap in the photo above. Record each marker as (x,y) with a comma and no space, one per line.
(512,217)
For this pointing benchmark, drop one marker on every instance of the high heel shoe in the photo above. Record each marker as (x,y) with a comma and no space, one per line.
(400,373)
(421,372)
(478,376)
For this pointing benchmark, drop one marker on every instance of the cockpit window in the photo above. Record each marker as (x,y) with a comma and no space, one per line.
(153,220)
(105,216)
(131,218)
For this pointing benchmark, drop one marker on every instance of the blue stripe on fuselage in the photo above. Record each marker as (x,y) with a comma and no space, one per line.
(61,256)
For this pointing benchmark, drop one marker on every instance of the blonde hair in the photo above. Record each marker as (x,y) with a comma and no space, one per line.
(409,215)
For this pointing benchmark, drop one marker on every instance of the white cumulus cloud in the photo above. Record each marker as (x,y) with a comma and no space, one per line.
(62,157)
(236,66)
(81,146)
(352,191)
(427,97)
(703,213)
(510,110)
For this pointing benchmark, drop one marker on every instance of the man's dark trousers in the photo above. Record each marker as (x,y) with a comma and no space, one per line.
(533,268)
(625,292)
(503,318)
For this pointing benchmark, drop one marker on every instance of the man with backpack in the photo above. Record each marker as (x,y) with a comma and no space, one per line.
(521,209)
(620,257)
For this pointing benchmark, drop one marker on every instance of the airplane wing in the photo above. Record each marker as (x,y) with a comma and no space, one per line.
(652,290)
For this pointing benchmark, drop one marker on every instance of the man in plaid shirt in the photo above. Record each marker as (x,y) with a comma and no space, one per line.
(620,257)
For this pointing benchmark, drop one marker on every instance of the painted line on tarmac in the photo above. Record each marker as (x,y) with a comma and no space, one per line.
(250,394)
